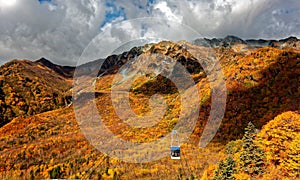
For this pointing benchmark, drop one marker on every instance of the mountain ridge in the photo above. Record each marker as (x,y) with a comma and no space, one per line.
(231,40)
(66,71)
(227,41)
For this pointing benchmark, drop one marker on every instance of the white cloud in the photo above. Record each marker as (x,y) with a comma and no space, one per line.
(167,11)
(62,29)
(58,31)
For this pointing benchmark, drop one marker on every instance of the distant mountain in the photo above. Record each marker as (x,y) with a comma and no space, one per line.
(229,41)
(112,63)
(65,71)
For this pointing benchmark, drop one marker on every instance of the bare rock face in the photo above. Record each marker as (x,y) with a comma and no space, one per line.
(172,52)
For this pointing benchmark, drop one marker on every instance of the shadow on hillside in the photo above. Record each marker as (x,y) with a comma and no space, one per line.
(276,92)
(160,84)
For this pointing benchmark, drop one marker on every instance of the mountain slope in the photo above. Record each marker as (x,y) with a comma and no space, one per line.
(262,83)
(28,88)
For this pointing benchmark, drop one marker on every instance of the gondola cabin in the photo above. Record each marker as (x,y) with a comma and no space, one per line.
(175,145)
(175,152)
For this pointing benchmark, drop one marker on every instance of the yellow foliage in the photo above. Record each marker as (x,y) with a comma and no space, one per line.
(142,172)
(58,142)
(109,175)
(280,138)
(204,176)
(242,176)
(292,163)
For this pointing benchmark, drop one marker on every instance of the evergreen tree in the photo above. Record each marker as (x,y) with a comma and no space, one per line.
(230,167)
(252,156)
(217,173)
(225,169)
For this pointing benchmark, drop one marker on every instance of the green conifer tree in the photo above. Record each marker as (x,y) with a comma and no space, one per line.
(252,156)
(225,169)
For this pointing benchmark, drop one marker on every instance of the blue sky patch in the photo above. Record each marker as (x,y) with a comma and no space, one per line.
(41,1)
(113,13)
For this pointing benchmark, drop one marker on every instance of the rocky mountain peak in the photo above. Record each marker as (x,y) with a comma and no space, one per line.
(231,40)
(65,71)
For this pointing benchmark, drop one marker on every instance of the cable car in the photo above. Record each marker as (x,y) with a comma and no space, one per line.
(175,145)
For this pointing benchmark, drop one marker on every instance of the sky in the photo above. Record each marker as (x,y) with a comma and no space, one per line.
(60,30)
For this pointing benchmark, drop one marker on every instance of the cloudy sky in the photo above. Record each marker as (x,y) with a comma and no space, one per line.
(61,29)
